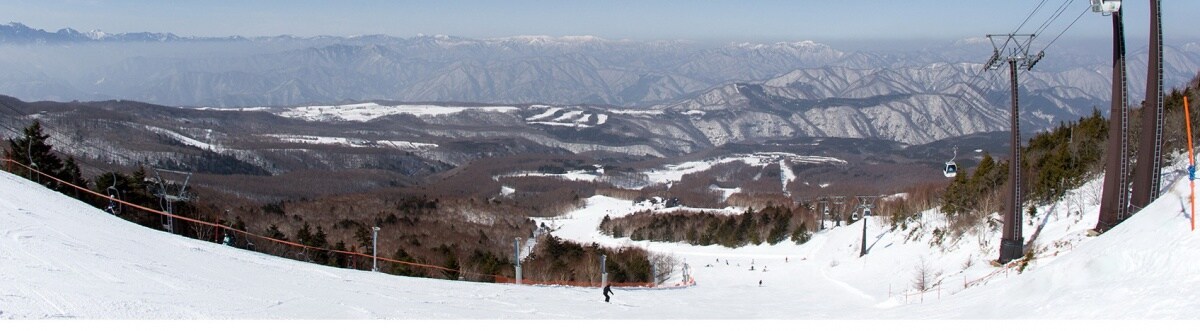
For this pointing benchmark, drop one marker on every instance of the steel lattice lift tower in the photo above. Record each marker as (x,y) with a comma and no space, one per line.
(1014,50)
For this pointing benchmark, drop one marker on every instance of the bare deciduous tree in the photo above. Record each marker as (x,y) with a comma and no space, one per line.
(923,275)
(665,266)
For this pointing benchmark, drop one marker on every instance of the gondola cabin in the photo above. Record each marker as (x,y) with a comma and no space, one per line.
(951,169)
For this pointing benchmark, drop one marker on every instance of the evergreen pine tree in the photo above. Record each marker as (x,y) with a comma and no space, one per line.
(401,268)
(304,235)
(274,232)
(31,150)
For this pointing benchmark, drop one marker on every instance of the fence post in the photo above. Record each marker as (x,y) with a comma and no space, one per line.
(375,249)
(517,258)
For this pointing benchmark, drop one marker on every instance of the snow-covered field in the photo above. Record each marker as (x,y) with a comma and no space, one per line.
(61,259)
(674,172)
(363,112)
(350,142)
(186,140)
(555,116)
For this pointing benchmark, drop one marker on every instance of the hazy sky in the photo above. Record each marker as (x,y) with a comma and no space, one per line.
(698,20)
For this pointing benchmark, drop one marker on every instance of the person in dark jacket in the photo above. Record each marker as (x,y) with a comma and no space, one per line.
(607,291)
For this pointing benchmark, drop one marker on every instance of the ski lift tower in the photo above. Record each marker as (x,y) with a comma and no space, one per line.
(823,212)
(865,202)
(1013,49)
(167,199)
(1147,171)
(838,201)
(1114,201)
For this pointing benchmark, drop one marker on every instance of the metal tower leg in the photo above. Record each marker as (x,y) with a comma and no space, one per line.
(1147,173)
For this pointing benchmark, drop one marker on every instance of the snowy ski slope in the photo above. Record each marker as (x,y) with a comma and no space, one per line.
(61,259)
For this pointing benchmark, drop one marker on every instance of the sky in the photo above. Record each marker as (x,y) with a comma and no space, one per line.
(713,20)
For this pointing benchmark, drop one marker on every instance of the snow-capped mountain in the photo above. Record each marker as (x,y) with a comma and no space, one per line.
(911,105)
(17,33)
(725,93)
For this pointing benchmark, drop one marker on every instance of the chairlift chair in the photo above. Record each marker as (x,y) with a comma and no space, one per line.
(114,195)
(866,212)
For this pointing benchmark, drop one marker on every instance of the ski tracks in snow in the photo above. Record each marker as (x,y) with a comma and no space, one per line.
(845,286)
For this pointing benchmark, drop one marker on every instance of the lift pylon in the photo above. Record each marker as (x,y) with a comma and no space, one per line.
(1013,49)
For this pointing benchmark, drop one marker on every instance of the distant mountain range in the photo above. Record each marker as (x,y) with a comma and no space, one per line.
(17,33)
(725,93)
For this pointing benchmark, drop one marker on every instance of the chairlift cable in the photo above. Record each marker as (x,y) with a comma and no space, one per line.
(1085,10)
(1053,17)
(1034,12)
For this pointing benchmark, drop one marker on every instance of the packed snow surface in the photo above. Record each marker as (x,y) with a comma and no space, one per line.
(62,259)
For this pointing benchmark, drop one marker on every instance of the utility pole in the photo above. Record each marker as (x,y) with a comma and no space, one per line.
(375,248)
(1115,200)
(1147,172)
(1013,50)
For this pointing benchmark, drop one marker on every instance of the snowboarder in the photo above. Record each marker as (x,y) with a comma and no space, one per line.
(607,291)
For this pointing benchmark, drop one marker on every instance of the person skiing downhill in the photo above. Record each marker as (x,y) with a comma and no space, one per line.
(607,291)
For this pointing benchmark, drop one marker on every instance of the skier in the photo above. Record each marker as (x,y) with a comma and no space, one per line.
(111,205)
(228,240)
(760,283)
(607,291)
